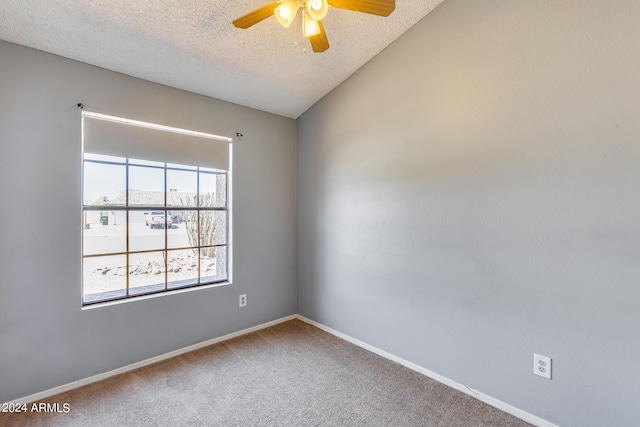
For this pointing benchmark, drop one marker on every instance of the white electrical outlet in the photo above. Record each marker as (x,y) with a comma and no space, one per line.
(542,366)
(243,300)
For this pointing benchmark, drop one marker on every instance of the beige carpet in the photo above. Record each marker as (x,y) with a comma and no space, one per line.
(291,374)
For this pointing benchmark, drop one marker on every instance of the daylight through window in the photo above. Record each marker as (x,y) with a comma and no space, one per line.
(155,209)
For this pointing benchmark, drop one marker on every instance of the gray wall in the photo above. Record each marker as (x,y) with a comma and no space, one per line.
(472,196)
(45,339)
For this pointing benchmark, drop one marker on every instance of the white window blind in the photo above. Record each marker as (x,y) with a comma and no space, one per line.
(112,136)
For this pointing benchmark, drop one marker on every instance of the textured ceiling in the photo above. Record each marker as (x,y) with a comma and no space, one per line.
(192,45)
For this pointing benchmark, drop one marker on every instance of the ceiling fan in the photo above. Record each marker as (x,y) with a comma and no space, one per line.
(313,12)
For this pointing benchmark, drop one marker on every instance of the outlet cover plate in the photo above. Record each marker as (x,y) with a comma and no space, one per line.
(243,300)
(542,366)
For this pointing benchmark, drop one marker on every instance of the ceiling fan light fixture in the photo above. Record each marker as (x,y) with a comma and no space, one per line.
(317,9)
(310,26)
(286,12)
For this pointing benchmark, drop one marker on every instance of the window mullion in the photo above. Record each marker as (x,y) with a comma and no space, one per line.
(166,233)
(126,203)
(198,206)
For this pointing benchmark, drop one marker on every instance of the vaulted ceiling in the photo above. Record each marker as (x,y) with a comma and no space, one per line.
(192,45)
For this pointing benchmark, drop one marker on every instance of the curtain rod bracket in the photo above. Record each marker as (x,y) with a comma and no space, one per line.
(81,105)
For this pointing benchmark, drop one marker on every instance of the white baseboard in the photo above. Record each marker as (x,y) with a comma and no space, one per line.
(505,407)
(70,386)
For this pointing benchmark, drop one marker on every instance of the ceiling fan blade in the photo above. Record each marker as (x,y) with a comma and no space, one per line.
(256,16)
(319,42)
(374,7)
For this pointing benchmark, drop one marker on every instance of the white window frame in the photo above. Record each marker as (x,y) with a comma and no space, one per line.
(228,209)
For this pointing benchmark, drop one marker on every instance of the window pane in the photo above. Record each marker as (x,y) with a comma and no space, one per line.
(213,264)
(184,232)
(182,187)
(146,230)
(182,269)
(213,228)
(145,162)
(104,277)
(213,190)
(104,184)
(146,186)
(178,166)
(104,232)
(210,169)
(90,156)
(146,272)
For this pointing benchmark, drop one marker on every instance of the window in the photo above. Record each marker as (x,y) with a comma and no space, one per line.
(156,209)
